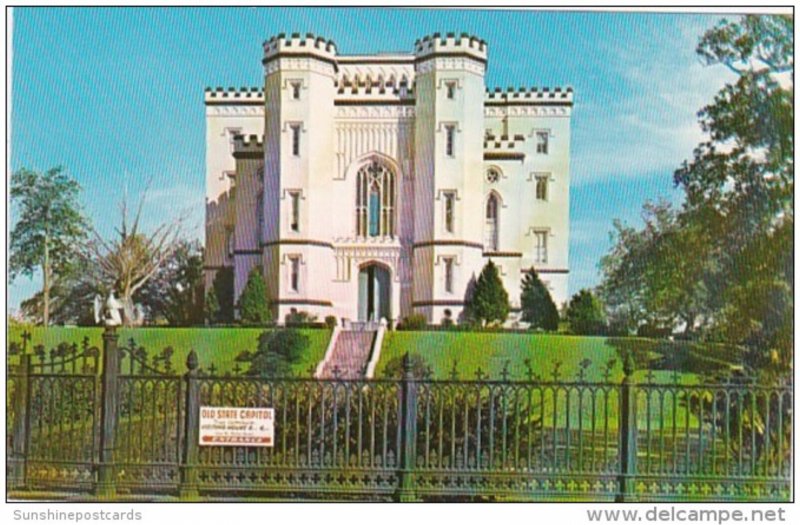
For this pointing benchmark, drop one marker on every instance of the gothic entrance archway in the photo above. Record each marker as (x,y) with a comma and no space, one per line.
(374,293)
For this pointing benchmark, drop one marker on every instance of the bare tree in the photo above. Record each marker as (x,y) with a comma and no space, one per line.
(130,259)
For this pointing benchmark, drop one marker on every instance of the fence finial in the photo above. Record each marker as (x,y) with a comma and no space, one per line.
(629,364)
(191,360)
(408,368)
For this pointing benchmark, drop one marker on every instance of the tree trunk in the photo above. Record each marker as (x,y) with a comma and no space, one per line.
(46,281)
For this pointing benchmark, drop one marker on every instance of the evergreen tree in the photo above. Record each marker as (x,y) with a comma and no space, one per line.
(222,289)
(253,303)
(488,302)
(586,314)
(538,307)
(212,309)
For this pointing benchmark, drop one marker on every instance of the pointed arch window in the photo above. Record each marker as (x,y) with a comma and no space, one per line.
(492,219)
(375,201)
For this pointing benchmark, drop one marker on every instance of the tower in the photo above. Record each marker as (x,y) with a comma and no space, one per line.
(299,89)
(448,171)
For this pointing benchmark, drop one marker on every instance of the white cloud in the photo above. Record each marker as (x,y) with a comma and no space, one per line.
(649,124)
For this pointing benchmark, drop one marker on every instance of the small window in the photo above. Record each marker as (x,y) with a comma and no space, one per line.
(260,217)
(230,241)
(451,136)
(541,188)
(492,176)
(448,275)
(296,140)
(451,90)
(295,90)
(294,280)
(294,223)
(542,142)
(541,246)
(449,211)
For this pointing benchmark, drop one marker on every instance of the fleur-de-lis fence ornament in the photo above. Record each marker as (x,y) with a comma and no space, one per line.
(26,338)
(556,371)
(528,369)
(610,364)
(454,371)
(584,364)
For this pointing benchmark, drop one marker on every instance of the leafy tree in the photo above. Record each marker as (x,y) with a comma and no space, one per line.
(50,226)
(219,299)
(488,302)
(175,293)
(586,314)
(740,185)
(656,275)
(538,307)
(253,303)
(723,264)
(278,351)
(71,300)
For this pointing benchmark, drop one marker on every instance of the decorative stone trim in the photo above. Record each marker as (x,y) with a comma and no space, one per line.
(301,302)
(437,303)
(465,244)
(297,242)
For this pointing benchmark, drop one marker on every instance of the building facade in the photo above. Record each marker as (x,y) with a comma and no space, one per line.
(376,186)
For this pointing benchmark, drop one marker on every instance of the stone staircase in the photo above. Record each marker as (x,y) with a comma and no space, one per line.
(350,355)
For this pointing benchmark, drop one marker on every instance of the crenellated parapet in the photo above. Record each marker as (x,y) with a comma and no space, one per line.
(248,146)
(534,95)
(232,95)
(451,44)
(503,147)
(296,46)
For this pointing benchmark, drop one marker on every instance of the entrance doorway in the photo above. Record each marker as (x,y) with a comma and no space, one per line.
(374,293)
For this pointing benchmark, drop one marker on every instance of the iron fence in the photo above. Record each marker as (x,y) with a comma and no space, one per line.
(121,421)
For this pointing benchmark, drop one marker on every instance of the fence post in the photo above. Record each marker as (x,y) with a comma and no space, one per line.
(627,436)
(188,488)
(408,430)
(20,430)
(106,487)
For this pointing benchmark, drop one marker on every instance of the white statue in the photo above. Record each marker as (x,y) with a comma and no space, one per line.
(110,314)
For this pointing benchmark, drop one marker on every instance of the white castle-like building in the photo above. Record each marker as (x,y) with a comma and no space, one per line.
(377,186)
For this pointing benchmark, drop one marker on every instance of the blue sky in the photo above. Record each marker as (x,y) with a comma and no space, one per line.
(116,96)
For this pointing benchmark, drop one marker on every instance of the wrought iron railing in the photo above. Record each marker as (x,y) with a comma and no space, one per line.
(122,421)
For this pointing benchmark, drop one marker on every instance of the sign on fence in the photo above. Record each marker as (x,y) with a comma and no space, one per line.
(237,426)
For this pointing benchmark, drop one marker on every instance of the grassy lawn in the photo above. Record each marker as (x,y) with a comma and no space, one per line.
(219,346)
(492,351)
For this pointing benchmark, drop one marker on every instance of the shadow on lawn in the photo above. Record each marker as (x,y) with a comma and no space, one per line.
(684,357)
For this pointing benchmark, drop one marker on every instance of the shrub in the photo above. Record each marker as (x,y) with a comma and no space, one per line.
(253,303)
(586,314)
(277,351)
(419,367)
(414,322)
(331,321)
(301,318)
(653,331)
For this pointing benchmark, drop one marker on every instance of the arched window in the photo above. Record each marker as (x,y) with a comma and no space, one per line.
(492,212)
(375,201)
